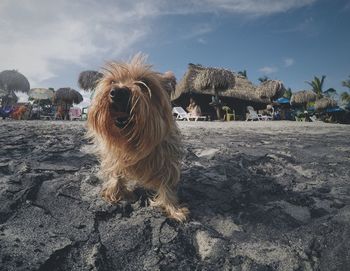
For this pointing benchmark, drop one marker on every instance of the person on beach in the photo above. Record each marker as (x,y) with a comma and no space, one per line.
(194,109)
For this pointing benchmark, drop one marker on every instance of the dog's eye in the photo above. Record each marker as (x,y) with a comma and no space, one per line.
(113,82)
(144,86)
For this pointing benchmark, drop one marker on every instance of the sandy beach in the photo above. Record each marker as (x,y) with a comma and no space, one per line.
(262,195)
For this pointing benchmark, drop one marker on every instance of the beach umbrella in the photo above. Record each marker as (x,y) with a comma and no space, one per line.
(282,100)
(271,89)
(13,80)
(41,94)
(325,103)
(67,96)
(302,98)
(88,80)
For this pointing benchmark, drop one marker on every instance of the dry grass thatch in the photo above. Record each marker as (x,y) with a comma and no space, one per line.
(13,80)
(170,82)
(68,96)
(271,89)
(302,97)
(41,94)
(88,80)
(215,80)
(325,103)
(238,86)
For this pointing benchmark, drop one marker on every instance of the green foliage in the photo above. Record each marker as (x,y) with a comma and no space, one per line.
(263,79)
(288,93)
(345,97)
(317,85)
(346,83)
(243,73)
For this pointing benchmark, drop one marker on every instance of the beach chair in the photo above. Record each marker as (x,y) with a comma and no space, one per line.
(6,111)
(253,116)
(75,113)
(180,113)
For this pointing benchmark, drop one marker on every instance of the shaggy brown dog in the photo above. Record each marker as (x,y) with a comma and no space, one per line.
(135,136)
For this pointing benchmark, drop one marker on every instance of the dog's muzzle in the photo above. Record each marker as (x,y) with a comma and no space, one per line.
(120,104)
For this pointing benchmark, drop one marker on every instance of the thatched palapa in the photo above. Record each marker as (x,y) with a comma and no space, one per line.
(233,89)
(303,97)
(12,80)
(170,82)
(214,80)
(67,96)
(88,80)
(325,103)
(271,89)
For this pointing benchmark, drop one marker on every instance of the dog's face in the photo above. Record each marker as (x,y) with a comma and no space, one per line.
(130,103)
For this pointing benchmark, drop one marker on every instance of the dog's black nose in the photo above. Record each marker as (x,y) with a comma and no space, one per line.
(120,95)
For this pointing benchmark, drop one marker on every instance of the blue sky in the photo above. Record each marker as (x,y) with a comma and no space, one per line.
(290,40)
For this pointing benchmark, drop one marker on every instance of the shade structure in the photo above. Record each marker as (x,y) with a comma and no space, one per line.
(41,94)
(325,103)
(12,80)
(68,96)
(271,89)
(303,97)
(88,80)
(169,82)
(239,87)
(282,100)
(214,79)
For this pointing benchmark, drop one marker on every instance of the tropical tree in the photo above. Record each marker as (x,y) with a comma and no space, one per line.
(263,79)
(243,73)
(317,85)
(346,83)
(330,93)
(345,97)
(288,93)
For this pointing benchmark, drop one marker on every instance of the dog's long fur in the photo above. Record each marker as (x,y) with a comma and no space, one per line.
(148,149)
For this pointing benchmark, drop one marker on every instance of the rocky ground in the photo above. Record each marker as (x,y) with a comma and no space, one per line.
(262,195)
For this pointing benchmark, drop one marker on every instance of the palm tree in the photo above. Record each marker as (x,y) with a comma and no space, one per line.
(345,97)
(263,79)
(346,83)
(288,93)
(243,73)
(330,93)
(317,85)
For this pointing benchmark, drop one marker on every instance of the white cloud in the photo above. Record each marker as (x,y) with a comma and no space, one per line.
(257,7)
(42,38)
(288,61)
(268,70)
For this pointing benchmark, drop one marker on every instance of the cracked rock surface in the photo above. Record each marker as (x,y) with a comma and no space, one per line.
(262,196)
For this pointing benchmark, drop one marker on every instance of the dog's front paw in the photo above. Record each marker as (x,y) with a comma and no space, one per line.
(111,195)
(179,214)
